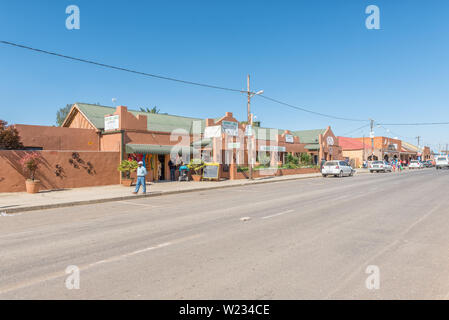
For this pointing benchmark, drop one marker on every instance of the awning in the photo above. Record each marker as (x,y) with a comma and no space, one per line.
(312,146)
(203,142)
(156,149)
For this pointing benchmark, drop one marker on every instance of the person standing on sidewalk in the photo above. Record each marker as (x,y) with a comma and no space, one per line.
(141,173)
(172,167)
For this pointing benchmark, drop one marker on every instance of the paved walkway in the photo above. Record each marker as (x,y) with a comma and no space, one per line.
(22,201)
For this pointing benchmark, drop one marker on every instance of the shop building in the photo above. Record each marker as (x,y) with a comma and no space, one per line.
(354,151)
(154,138)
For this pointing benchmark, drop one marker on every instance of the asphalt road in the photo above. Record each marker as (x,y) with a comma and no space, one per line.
(305,239)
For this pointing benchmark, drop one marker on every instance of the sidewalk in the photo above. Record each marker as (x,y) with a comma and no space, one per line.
(21,201)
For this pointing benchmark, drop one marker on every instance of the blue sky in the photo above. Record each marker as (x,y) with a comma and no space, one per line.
(316,54)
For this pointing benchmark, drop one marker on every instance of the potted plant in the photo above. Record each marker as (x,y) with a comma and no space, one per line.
(30,162)
(126,167)
(196,167)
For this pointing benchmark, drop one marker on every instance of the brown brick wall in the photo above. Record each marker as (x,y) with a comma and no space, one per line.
(92,169)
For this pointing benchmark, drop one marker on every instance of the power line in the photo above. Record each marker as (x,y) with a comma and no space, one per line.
(310,111)
(170,79)
(415,124)
(355,130)
(210,86)
(120,68)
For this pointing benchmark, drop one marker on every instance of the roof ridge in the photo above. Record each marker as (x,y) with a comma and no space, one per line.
(132,110)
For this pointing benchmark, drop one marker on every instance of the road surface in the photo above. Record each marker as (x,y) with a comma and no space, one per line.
(304,239)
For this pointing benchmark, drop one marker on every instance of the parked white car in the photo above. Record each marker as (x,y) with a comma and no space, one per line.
(380,166)
(415,164)
(337,168)
(442,162)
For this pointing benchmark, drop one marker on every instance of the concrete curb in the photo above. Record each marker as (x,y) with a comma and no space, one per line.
(155,194)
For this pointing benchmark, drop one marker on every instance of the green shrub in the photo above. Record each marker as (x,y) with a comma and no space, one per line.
(128,166)
(196,165)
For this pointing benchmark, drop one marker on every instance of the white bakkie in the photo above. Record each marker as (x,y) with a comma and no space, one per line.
(336,168)
(442,162)
(415,164)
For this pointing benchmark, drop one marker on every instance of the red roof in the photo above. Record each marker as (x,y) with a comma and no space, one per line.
(351,144)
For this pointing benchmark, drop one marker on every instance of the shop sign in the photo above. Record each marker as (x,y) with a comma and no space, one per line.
(212,132)
(230,128)
(272,148)
(111,123)
(249,131)
(289,138)
(233,145)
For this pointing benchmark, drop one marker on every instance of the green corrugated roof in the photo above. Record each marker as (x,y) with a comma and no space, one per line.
(156,121)
(309,136)
(313,146)
(155,149)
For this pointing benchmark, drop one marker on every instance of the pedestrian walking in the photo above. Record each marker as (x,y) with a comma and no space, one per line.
(172,167)
(141,173)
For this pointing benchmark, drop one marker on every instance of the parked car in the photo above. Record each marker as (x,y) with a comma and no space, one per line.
(415,164)
(337,168)
(428,164)
(380,166)
(442,162)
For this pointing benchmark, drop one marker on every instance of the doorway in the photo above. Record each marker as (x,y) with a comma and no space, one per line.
(161,167)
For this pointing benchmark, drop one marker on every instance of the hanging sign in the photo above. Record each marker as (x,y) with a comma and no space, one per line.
(249,131)
(272,148)
(233,145)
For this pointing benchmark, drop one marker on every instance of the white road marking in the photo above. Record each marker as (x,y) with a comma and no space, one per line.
(116,258)
(60,274)
(277,214)
(139,204)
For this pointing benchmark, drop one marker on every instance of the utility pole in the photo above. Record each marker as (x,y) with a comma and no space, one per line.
(250,123)
(249,138)
(418,137)
(446,149)
(364,147)
(372,138)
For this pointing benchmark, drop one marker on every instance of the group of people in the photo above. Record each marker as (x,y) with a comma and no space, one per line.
(395,164)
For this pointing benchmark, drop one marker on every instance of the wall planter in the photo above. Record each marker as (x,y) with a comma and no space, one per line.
(32,186)
(127,182)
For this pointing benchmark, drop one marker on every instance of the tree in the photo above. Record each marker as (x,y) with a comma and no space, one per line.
(9,137)
(152,110)
(62,113)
